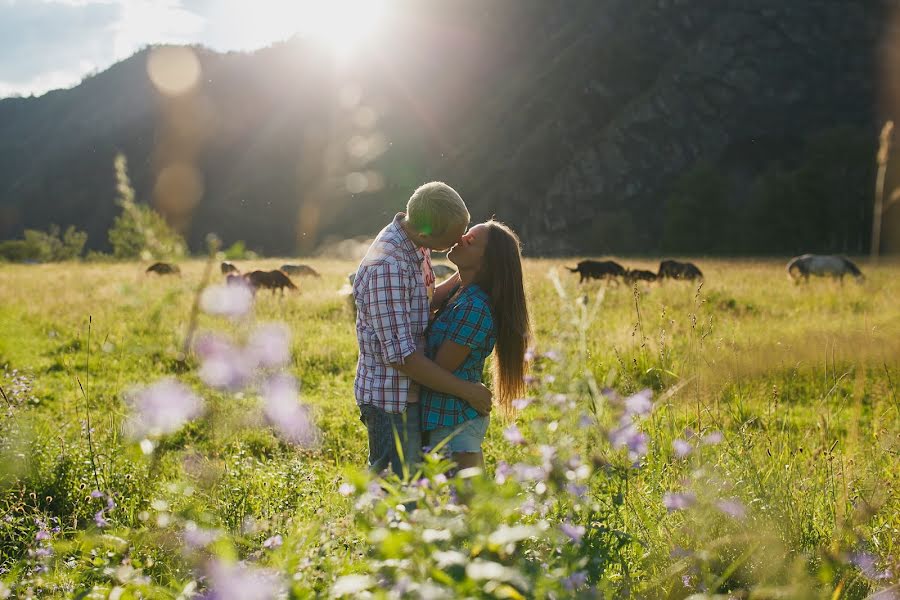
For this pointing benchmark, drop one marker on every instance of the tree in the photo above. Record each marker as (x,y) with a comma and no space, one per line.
(695,213)
(139,231)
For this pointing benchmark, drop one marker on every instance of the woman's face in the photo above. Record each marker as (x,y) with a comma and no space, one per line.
(469,252)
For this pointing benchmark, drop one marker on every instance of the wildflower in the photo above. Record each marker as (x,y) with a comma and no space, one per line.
(273,542)
(628,436)
(577,491)
(99,520)
(346,489)
(42,535)
(574,581)
(502,472)
(199,537)
(240,582)
(284,411)
(553,355)
(639,404)
(733,508)
(270,345)
(96,494)
(521,403)
(224,366)
(529,379)
(585,420)
(161,408)
(530,354)
(678,501)
(574,532)
(866,563)
(548,379)
(712,438)
(513,435)
(227,300)
(681,447)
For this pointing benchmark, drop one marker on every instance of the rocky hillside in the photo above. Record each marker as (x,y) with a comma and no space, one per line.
(584,124)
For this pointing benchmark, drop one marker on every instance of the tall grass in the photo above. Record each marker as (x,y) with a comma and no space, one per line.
(766,467)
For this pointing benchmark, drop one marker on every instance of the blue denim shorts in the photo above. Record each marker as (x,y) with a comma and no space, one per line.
(466,437)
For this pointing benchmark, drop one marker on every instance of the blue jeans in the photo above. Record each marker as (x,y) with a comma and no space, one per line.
(384,449)
(465,437)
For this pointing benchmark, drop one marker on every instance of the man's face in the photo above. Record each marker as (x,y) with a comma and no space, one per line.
(446,239)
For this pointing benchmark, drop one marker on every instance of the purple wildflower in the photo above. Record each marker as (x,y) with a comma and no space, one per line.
(681,447)
(199,537)
(224,366)
(712,438)
(585,420)
(241,582)
(270,345)
(686,581)
(553,355)
(529,379)
(866,563)
(283,410)
(733,508)
(574,532)
(227,300)
(273,542)
(678,501)
(100,520)
(574,581)
(639,404)
(96,494)
(521,403)
(502,472)
(548,379)
(346,489)
(628,436)
(525,472)
(530,354)
(42,535)
(513,435)
(162,408)
(578,491)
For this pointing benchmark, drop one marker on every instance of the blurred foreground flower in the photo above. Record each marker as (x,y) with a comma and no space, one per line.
(224,366)
(227,300)
(161,408)
(270,345)
(513,435)
(284,411)
(241,582)
(678,501)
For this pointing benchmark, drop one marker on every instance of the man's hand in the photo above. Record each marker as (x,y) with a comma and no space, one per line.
(479,398)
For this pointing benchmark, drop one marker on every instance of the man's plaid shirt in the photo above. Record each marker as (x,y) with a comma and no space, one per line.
(392,290)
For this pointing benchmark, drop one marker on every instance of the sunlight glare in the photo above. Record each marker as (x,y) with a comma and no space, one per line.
(337,24)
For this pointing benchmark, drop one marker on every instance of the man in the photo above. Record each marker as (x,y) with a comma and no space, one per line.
(393,287)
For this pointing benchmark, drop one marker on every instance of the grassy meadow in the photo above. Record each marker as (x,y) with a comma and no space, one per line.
(766,467)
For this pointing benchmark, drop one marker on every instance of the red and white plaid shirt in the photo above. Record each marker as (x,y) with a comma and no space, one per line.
(393,287)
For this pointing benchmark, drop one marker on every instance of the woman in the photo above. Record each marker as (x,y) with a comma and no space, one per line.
(482,310)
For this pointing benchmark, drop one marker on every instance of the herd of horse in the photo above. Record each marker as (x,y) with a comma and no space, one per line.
(799,269)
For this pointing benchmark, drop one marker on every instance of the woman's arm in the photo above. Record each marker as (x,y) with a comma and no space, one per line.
(451,355)
(443,290)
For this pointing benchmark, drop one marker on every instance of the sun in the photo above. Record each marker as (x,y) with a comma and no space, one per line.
(338,24)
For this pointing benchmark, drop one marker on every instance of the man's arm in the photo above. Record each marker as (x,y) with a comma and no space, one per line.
(426,372)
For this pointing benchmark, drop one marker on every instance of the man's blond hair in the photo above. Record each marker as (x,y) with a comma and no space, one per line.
(436,207)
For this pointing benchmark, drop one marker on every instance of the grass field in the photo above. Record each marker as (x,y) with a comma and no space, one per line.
(767,466)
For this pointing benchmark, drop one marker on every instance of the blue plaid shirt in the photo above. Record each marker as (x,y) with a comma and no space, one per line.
(467,321)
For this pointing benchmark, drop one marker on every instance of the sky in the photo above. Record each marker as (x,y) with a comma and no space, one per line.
(50,44)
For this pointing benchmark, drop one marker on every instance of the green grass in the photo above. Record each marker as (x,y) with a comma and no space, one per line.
(801,380)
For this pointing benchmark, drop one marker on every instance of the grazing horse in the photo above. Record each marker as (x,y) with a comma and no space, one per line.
(596,269)
(633,275)
(273,280)
(820,265)
(678,270)
(300,270)
(162,268)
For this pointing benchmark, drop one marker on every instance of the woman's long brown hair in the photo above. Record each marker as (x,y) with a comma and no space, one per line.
(500,277)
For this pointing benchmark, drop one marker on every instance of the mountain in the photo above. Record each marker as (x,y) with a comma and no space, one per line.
(593,127)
